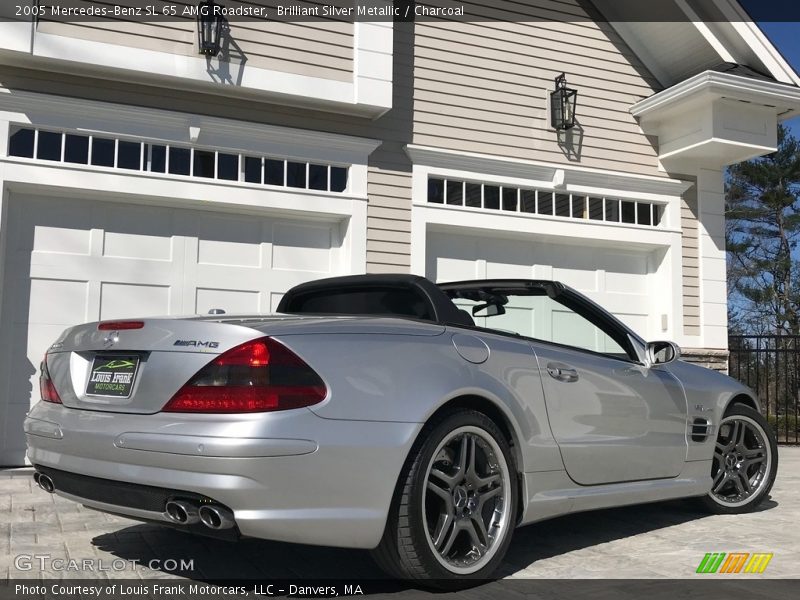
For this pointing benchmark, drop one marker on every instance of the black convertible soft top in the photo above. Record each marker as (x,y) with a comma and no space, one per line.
(395,294)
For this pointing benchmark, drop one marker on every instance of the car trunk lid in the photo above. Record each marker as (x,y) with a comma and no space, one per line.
(136,370)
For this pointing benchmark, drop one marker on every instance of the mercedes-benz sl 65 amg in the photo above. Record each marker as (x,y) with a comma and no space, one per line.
(424,422)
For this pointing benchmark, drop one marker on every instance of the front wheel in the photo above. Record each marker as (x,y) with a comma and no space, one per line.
(455,507)
(745,462)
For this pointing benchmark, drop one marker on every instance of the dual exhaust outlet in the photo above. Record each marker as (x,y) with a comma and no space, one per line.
(212,516)
(182,512)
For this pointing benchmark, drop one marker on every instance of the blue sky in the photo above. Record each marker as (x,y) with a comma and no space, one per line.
(786,36)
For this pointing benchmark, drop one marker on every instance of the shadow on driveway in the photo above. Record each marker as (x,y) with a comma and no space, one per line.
(251,559)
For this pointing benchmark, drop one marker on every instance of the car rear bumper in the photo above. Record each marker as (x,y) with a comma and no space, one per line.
(289,476)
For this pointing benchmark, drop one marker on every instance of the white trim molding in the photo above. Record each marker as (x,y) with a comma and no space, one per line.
(168,126)
(757,42)
(715,119)
(693,33)
(535,173)
(368,93)
(784,98)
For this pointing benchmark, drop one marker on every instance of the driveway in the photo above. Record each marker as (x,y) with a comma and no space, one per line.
(656,541)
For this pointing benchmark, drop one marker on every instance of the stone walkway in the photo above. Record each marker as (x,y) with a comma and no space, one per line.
(665,540)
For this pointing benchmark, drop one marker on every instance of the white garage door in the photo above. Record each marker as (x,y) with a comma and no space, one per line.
(69,261)
(616,279)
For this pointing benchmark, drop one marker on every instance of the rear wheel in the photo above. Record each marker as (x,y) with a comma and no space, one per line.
(455,507)
(745,462)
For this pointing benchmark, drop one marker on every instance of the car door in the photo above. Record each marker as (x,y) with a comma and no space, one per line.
(613,418)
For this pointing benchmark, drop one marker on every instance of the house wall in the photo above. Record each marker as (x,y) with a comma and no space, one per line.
(319,49)
(468,87)
(484,87)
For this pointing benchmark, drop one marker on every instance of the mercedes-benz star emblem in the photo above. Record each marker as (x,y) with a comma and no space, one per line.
(111,339)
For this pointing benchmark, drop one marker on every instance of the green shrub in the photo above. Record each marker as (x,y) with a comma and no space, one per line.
(780,423)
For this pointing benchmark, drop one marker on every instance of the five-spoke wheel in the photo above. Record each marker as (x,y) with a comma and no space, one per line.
(745,461)
(467,499)
(455,507)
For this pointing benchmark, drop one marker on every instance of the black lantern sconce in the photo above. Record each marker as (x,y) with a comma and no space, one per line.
(562,105)
(209,27)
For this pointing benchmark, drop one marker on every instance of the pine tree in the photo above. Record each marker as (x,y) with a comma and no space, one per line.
(763,228)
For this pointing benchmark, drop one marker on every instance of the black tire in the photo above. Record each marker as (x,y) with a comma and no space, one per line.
(407,550)
(757,436)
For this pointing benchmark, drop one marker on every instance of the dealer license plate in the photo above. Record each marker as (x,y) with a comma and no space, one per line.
(112,376)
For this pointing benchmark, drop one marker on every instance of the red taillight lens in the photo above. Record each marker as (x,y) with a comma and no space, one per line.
(49,393)
(117,325)
(257,376)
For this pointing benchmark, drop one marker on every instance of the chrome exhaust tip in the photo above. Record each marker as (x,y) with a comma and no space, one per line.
(44,482)
(216,517)
(179,511)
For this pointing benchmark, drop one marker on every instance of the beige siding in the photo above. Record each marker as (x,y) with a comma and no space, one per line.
(690,281)
(388,214)
(483,86)
(320,49)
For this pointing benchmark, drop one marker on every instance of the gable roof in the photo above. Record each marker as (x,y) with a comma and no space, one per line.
(692,36)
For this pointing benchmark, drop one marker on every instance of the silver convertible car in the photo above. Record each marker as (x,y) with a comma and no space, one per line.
(424,422)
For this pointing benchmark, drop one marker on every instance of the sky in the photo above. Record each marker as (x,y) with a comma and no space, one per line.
(786,37)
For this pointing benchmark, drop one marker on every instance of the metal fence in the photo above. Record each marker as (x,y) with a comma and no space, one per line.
(769,364)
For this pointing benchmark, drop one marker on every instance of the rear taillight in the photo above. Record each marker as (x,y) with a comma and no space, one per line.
(257,376)
(49,393)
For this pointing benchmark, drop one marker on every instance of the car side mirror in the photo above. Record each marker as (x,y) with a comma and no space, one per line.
(662,353)
(488,310)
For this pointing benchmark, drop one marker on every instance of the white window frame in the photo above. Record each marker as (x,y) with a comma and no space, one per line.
(664,241)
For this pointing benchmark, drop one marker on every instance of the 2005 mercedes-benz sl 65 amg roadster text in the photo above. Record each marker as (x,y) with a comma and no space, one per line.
(424,422)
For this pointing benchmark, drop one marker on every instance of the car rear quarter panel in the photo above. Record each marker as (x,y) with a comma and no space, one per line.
(253,463)
(401,378)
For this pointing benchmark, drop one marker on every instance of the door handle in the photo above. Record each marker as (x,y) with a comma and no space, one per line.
(562,372)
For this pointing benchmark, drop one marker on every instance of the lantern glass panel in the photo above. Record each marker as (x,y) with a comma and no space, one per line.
(209,28)
(562,105)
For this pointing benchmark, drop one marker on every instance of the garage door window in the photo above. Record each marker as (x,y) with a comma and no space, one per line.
(74,148)
(48,146)
(490,196)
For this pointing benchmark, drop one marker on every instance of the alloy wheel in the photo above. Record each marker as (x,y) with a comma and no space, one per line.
(742,461)
(467,500)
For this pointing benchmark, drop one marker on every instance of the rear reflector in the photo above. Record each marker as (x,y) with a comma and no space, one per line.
(48,390)
(117,325)
(257,376)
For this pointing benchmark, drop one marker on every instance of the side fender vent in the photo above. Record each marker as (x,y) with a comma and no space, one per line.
(701,429)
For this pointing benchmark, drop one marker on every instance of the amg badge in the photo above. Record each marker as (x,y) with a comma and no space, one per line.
(196,344)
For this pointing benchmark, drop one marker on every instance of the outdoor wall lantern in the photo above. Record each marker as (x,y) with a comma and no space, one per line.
(562,105)
(209,27)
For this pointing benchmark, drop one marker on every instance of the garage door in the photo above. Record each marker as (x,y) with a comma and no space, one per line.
(617,280)
(70,261)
